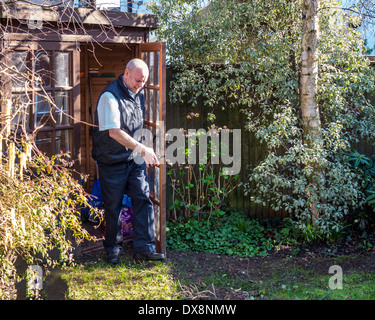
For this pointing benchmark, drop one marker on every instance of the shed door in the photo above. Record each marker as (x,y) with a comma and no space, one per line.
(154,55)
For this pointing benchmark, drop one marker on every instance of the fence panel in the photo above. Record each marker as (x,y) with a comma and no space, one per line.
(252,152)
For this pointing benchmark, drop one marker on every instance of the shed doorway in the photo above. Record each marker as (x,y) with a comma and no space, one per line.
(102,64)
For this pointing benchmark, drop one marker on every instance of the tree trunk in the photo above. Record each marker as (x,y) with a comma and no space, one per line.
(309,89)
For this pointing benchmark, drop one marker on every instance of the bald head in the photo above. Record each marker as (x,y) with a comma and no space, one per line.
(135,75)
(136,64)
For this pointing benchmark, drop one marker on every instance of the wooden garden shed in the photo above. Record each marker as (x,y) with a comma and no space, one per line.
(70,54)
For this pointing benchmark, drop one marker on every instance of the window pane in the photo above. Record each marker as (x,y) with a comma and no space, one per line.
(62,104)
(156,105)
(157,182)
(20,110)
(42,110)
(151,104)
(63,143)
(151,178)
(61,64)
(19,59)
(43,142)
(156,68)
(43,69)
(151,68)
(157,222)
(145,57)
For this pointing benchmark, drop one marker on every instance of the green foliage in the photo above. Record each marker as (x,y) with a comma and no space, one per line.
(38,212)
(246,55)
(231,234)
(200,188)
(364,167)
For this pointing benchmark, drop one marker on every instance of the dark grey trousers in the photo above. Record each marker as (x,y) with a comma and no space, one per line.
(114,179)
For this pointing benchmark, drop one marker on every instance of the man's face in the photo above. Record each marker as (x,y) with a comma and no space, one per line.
(136,79)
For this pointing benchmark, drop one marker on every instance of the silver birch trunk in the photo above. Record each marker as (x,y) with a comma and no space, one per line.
(309,87)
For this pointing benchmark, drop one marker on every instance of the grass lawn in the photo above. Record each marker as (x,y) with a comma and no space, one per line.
(189,275)
(97,280)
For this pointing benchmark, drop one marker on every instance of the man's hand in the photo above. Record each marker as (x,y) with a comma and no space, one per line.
(148,155)
(126,140)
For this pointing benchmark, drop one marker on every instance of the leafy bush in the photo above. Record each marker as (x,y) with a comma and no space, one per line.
(233,234)
(200,188)
(39,207)
(246,55)
(364,167)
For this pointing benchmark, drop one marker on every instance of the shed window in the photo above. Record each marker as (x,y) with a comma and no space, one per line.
(53,100)
(19,64)
(42,89)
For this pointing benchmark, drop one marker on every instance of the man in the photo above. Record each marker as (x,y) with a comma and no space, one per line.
(116,140)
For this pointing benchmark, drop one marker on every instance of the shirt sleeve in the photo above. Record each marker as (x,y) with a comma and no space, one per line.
(108,112)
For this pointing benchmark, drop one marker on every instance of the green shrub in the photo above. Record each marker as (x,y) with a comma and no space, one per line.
(232,234)
(39,208)
(200,188)
(364,167)
(246,55)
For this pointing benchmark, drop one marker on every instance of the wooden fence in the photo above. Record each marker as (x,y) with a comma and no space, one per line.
(252,152)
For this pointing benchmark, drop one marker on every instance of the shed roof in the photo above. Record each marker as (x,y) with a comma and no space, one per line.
(85,15)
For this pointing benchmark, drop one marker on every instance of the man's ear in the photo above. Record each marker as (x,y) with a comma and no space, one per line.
(126,73)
